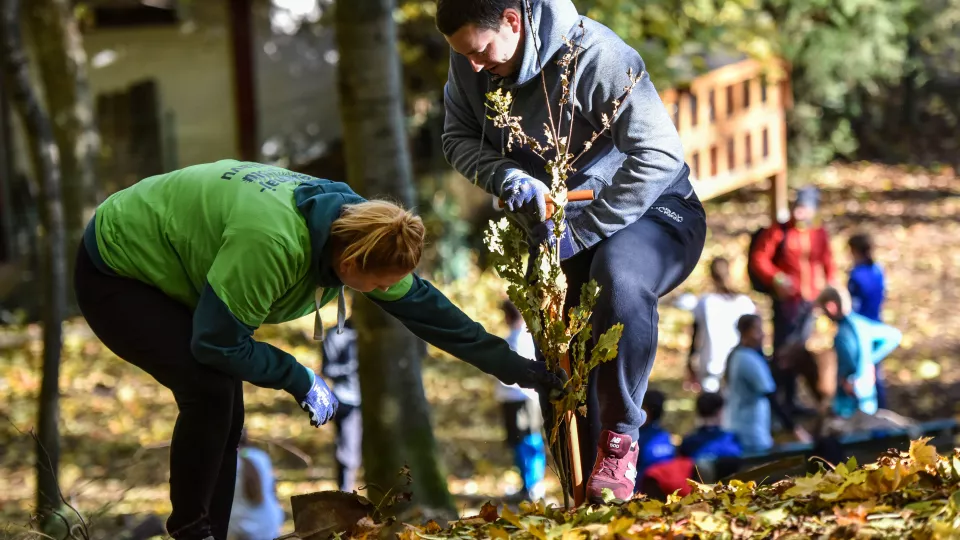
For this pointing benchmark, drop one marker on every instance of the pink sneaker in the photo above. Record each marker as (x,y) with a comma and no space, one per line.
(615,469)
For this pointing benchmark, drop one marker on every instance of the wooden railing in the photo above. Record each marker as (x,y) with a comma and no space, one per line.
(732,121)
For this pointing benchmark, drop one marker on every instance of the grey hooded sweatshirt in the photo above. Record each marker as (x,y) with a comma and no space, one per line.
(637,161)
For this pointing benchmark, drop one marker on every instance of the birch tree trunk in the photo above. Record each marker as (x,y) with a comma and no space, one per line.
(62,69)
(46,164)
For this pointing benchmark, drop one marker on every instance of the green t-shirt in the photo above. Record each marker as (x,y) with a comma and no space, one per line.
(231,224)
(244,244)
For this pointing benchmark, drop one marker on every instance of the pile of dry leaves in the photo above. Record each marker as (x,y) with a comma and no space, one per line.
(914,494)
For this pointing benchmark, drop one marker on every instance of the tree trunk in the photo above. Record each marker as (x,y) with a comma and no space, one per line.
(62,67)
(910,114)
(396,415)
(46,164)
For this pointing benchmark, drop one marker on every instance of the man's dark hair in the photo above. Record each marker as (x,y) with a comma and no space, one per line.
(452,15)
(653,403)
(709,404)
(861,244)
(747,322)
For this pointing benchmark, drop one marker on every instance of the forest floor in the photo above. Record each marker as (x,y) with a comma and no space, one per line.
(116,422)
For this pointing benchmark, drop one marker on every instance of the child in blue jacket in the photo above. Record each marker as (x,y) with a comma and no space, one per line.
(867,292)
(866,283)
(710,440)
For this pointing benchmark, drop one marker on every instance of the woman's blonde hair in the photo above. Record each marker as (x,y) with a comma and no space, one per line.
(379,236)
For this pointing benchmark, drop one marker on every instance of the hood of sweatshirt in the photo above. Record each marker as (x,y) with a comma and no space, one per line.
(552,20)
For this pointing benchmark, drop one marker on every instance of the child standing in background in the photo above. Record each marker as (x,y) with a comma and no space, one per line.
(715,328)
(861,344)
(256,513)
(342,367)
(867,292)
(751,392)
(521,412)
(866,283)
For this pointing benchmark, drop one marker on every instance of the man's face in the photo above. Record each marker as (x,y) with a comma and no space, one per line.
(497,51)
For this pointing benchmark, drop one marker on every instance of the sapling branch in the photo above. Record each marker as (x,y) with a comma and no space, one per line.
(576,62)
(539,288)
(607,121)
(543,77)
(500,103)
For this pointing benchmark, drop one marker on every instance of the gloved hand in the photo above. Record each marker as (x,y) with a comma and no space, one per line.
(320,403)
(544,232)
(536,376)
(522,193)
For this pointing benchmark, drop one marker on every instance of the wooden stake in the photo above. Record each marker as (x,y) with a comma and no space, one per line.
(573,446)
(572,434)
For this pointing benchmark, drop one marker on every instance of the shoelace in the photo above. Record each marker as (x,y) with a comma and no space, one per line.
(609,464)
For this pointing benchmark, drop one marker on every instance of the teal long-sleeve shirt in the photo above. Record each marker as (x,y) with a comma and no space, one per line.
(861,344)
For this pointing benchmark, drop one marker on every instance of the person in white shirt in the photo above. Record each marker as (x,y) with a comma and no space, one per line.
(256,513)
(341,366)
(715,328)
(523,419)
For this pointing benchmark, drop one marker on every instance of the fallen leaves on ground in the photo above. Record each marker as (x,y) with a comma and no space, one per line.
(913,494)
(116,421)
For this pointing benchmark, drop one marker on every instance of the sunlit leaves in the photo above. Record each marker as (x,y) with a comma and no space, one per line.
(841,503)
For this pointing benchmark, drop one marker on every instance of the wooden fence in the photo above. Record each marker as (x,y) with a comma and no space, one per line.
(732,121)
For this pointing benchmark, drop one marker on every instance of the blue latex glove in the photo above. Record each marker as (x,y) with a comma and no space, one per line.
(543,232)
(320,403)
(522,193)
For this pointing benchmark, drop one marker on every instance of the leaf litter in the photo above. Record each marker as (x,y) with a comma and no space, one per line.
(912,495)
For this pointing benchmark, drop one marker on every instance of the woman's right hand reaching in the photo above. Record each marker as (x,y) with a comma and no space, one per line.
(319,403)
(536,376)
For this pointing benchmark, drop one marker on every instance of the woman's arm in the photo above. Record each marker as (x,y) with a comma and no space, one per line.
(427,313)
(247,276)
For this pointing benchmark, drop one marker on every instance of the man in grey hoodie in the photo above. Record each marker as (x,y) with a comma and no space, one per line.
(644,232)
